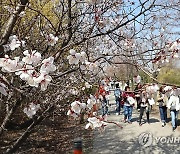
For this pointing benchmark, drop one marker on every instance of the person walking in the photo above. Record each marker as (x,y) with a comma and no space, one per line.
(162,100)
(104,103)
(174,106)
(137,95)
(144,106)
(128,98)
(117,94)
(107,89)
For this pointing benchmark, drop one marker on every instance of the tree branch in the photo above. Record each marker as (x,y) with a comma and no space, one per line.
(11,24)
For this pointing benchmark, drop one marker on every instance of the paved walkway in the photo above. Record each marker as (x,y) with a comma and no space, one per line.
(134,139)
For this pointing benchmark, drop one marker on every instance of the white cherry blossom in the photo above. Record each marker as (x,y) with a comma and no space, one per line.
(31,81)
(5,63)
(9,9)
(175,55)
(14,42)
(82,57)
(72,52)
(33,58)
(72,60)
(87,85)
(76,57)
(95,123)
(48,66)
(71,113)
(93,67)
(22,14)
(9,65)
(25,72)
(76,107)
(74,91)
(82,67)
(174,46)
(43,80)
(31,110)
(83,88)
(51,39)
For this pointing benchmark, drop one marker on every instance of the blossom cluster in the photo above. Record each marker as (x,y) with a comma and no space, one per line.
(172,48)
(13,43)
(95,122)
(76,58)
(51,39)
(27,68)
(77,108)
(87,85)
(31,68)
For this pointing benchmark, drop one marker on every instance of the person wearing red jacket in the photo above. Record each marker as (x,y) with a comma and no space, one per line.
(102,93)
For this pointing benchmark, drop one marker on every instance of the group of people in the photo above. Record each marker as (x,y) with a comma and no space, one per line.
(126,100)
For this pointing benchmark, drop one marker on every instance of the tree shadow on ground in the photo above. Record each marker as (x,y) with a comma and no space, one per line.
(151,120)
(111,142)
(178,123)
(169,121)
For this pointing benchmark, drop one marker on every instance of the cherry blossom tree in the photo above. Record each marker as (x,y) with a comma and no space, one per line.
(53,51)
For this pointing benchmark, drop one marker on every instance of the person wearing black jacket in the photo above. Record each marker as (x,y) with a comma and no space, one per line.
(137,95)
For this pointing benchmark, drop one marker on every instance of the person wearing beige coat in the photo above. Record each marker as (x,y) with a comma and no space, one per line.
(162,100)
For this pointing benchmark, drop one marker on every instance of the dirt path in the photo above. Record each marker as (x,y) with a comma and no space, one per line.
(134,139)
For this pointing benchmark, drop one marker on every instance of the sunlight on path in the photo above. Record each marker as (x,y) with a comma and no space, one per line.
(128,140)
